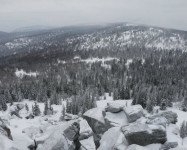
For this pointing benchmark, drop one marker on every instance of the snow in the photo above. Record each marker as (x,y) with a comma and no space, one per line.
(17,125)
(153,146)
(111,138)
(21,73)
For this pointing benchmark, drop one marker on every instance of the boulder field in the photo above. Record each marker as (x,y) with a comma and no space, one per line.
(118,127)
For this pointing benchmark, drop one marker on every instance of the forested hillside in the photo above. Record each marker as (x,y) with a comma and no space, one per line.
(74,64)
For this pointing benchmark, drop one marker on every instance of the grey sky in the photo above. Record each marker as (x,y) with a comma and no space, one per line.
(20,13)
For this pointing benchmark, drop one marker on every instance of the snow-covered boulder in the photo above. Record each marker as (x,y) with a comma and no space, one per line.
(115,119)
(4,130)
(169,145)
(85,130)
(136,147)
(114,107)
(144,134)
(14,111)
(56,141)
(88,144)
(95,118)
(133,112)
(69,117)
(170,116)
(32,132)
(112,139)
(20,106)
(157,120)
(72,132)
(60,137)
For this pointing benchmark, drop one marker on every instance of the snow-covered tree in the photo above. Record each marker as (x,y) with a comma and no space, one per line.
(46,108)
(36,110)
(26,107)
(183,131)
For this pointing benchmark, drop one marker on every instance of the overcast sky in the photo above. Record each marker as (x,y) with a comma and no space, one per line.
(20,13)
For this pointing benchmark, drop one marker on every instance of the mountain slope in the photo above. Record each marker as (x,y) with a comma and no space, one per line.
(112,37)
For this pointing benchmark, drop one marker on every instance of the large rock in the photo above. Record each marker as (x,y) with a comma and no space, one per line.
(155,120)
(88,144)
(85,130)
(56,141)
(144,134)
(4,130)
(115,119)
(169,145)
(170,116)
(95,118)
(134,112)
(114,107)
(136,147)
(72,132)
(61,137)
(112,139)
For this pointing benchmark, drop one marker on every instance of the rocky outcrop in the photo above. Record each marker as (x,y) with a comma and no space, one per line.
(111,139)
(168,145)
(144,134)
(133,112)
(136,147)
(4,130)
(114,107)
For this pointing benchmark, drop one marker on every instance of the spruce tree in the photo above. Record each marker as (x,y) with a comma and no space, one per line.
(46,108)
(26,107)
(183,131)
(36,110)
